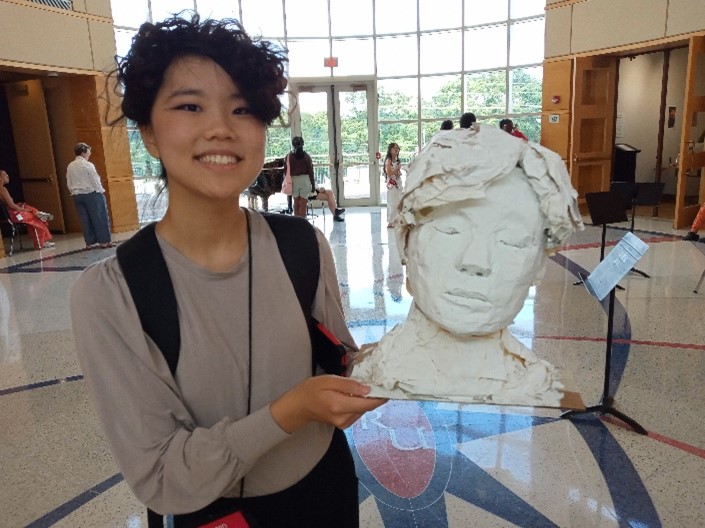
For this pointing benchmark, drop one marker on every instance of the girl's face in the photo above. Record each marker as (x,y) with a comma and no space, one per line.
(202,130)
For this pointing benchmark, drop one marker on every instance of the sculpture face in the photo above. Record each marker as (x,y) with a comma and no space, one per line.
(471,265)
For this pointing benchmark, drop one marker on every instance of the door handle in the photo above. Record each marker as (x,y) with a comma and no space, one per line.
(48,179)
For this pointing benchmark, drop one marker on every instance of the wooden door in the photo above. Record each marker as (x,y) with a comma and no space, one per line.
(690,188)
(35,154)
(592,131)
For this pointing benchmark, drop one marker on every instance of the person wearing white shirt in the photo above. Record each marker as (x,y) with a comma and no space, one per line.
(89,196)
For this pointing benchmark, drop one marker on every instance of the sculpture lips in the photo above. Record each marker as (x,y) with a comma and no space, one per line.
(458,295)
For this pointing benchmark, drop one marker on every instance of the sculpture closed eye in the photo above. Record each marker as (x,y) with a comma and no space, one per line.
(447,230)
(520,242)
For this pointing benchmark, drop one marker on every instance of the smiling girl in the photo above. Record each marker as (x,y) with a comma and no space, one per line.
(241,425)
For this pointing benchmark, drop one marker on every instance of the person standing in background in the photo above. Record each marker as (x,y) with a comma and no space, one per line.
(508,126)
(300,166)
(392,176)
(89,196)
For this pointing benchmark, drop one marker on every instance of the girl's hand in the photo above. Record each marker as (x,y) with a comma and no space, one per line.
(328,399)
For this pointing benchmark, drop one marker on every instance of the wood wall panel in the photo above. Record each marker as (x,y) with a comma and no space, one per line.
(685,16)
(57,92)
(84,102)
(51,38)
(600,24)
(557,40)
(102,41)
(557,82)
(555,136)
(123,207)
(97,7)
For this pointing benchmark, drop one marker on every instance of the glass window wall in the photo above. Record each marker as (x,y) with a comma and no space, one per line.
(435,56)
(162,9)
(398,16)
(221,9)
(477,12)
(440,14)
(355,56)
(440,97)
(262,17)
(351,18)
(430,59)
(397,56)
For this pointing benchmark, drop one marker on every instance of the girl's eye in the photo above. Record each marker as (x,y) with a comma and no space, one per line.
(243,110)
(189,107)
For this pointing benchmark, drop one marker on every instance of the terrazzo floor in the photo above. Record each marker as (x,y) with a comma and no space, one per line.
(420,464)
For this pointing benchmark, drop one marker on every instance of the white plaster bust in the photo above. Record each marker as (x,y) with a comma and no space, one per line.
(479,212)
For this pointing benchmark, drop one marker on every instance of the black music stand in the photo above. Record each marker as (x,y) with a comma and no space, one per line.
(633,194)
(604,208)
(610,278)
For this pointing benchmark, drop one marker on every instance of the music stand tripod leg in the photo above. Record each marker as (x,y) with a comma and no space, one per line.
(697,287)
(606,402)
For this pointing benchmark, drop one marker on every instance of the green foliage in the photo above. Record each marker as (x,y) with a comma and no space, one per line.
(143,164)
(445,104)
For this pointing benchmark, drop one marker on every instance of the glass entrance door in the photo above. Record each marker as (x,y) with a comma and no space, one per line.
(338,122)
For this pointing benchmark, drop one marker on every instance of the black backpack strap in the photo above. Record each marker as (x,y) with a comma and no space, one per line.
(298,246)
(154,520)
(148,279)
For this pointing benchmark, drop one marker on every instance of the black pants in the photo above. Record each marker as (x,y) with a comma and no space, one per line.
(326,497)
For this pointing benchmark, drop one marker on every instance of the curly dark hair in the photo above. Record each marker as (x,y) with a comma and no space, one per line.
(256,66)
(467,119)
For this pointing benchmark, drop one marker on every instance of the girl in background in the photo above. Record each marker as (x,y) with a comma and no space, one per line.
(392,176)
(300,167)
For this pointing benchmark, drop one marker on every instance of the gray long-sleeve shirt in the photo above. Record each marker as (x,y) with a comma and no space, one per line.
(181,445)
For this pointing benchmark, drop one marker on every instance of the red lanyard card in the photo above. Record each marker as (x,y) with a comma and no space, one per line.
(233,520)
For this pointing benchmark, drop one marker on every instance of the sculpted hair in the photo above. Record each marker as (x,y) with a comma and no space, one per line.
(256,66)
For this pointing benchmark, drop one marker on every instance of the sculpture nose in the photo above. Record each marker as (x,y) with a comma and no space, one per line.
(476,259)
